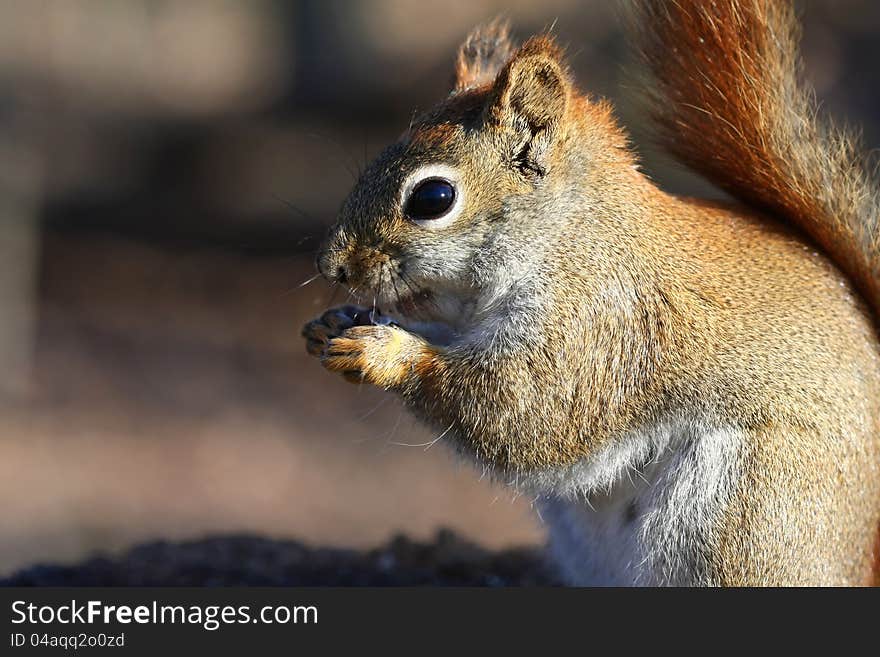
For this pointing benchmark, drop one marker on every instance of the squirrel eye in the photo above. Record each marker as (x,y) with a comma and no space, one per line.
(430,199)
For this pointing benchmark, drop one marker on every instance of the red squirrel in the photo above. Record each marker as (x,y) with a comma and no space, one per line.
(691,388)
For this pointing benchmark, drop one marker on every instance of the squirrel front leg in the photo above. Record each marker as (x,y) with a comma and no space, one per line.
(507,413)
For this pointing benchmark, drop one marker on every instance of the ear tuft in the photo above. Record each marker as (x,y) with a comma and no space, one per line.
(483,54)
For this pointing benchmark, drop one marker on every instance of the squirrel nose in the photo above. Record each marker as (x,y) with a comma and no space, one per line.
(330,267)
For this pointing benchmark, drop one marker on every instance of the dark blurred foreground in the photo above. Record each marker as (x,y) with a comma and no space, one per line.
(448,560)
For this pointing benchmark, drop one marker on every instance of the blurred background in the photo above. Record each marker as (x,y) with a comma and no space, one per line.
(167,169)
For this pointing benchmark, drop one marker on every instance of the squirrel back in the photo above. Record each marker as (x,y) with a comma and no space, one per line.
(727,97)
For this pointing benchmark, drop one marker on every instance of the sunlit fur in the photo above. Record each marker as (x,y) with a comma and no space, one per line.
(597,331)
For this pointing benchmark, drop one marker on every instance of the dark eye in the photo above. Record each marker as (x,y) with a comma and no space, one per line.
(430,199)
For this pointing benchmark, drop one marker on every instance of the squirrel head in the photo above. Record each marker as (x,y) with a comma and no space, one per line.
(470,186)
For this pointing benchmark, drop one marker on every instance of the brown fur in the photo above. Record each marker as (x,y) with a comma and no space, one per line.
(624,306)
(727,98)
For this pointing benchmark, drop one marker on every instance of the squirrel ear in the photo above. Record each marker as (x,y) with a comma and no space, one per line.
(485,51)
(530,97)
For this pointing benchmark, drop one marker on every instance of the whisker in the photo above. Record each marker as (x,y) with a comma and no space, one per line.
(537,508)
(341,149)
(427,299)
(409,284)
(380,434)
(374,409)
(309,280)
(413,292)
(394,429)
(394,285)
(352,292)
(434,442)
(426,445)
(302,213)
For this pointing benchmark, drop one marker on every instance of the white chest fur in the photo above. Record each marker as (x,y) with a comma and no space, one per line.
(644,523)
(598,546)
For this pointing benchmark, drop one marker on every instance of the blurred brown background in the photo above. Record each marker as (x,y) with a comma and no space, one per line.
(167,169)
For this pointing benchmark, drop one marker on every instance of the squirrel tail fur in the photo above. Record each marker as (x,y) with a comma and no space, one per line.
(730,104)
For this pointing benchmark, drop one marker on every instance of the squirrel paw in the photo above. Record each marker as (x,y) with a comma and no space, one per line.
(331,324)
(381,354)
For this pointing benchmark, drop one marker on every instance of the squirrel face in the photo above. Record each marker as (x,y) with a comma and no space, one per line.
(408,233)
(423,233)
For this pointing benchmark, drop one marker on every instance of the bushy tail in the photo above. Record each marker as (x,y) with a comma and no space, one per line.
(730,104)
